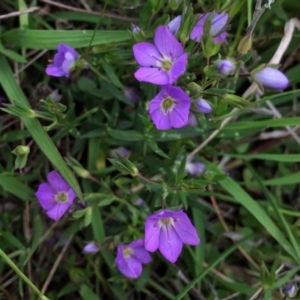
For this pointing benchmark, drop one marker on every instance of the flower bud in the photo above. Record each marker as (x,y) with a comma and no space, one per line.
(91,248)
(225,66)
(218,24)
(290,290)
(137,34)
(21,153)
(270,78)
(175,24)
(174,4)
(245,44)
(203,106)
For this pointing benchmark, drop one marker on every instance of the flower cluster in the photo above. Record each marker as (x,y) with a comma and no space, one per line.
(166,230)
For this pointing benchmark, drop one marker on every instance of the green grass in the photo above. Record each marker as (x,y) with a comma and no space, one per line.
(247,222)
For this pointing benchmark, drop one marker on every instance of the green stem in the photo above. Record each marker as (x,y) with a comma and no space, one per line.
(22,275)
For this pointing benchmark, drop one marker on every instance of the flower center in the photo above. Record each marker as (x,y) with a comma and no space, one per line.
(167,65)
(165,221)
(61,197)
(168,104)
(127,252)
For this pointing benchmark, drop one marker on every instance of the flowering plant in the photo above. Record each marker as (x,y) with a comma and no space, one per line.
(140,151)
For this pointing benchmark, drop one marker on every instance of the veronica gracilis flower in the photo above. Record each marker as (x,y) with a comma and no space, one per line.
(163,62)
(170,108)
(167,230)
(63,61)
(131,257)
(56,196)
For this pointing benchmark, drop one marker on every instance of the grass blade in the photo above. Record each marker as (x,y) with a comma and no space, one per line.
(35,128)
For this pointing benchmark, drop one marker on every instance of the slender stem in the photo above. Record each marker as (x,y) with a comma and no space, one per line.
(22,275)
(98,73)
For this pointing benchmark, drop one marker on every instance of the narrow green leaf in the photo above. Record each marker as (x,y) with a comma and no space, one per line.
(207,270)
(278,212)
(257,211)
(49,39)
(16,187)
(13,55)
(265,123)
(87,294)
(35,128)
(266,156)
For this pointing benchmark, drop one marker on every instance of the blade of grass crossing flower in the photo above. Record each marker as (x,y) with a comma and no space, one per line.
(257,211)
(211,266)
(35,128)
(278,212)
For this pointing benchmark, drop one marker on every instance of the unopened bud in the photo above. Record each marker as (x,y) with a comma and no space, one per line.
(291,290)
(270,78)
(175,24)
(245,44)
(225,66)
(202,106)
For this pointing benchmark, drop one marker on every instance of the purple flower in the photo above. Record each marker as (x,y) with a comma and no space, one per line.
(271,78)
(170,108)
(63,61)
(131,257)
(225,66)
(167,230)
(56,196)
(163,62)
(218,24)
(194,168)
(91,247)
(175,24)
(203,106)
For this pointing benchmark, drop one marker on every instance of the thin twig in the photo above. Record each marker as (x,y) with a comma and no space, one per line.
(109,15)
(20,12)
(220,217)
(30,62)
(56,264)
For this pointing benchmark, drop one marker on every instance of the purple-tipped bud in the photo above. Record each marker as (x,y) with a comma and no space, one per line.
(218,24)
(132,94)
(203,106)
(271,78)
(290,290)
(91,248)
(175,24)
(135,29)
(225,66)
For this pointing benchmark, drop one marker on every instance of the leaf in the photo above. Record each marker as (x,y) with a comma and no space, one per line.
(16,187)
(257,211)
(226,253)
(13,55)
(266,156)
(126,135)
(49,39)
(87,294)
(35,128)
